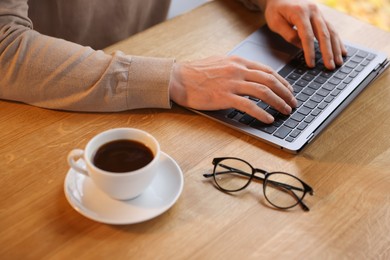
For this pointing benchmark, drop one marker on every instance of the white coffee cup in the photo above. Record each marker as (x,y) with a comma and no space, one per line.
(121,186)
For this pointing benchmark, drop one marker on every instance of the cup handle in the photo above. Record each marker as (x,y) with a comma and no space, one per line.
(73,156)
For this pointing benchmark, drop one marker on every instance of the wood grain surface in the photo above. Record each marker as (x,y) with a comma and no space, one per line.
(348,167)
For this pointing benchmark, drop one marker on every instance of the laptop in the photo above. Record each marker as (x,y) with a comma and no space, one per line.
(321,94)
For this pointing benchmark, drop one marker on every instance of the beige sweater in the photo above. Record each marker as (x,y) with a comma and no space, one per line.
(44,61)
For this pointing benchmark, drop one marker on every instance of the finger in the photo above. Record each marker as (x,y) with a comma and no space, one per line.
(249,107)
(306,34)
(271,82)
(338,47)
(265,94)
(324,38)
(256,70)
(288,32)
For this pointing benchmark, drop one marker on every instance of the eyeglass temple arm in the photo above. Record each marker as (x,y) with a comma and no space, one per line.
(300,201)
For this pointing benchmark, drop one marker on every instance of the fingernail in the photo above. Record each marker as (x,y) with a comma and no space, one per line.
(340,60)
(270,119)
(287,109)
(290,88)
(294,102)
(333,66)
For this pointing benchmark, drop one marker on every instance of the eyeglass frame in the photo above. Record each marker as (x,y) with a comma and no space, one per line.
(307,188)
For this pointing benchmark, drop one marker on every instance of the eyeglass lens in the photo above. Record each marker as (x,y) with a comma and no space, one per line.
(232,174)
(283,190)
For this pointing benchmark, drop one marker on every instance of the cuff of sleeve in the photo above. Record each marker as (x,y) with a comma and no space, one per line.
(253,5)
(148,83)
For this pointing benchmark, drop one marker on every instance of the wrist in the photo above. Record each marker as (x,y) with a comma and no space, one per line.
(262,4)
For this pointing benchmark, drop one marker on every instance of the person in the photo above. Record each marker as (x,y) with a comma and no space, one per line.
(50,57)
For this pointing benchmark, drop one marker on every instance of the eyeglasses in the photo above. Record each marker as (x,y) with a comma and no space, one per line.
(281,189)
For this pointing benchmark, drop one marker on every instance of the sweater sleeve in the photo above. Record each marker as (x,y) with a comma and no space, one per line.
(254,5)
(57,74)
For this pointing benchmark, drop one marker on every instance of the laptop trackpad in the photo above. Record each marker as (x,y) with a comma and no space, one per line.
(252,51)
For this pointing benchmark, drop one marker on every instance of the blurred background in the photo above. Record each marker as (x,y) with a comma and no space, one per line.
(375,12)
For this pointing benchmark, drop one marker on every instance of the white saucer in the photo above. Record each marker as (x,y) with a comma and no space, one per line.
(88,200)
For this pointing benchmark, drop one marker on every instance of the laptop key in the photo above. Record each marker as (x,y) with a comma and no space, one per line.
(295,133)
(263,127)
(232,114)
(316,98)
(304,111)
(246,119)
(278,122)
(316,112)
(345,70)
(354,74)
(341,86)
(329,86)
(329,99)
(309,119)
(302,126)
(341,75)
(297,89)
(351,50)
(326,74)
(294,76)
(290,139)
(323,92)
(334,81)
(291,123)
(371,56)
(362,54)
(357,59)
(359,68)
(310,104)
(314,72)
(348,80)
(308,77)
(262,105)
(282,132)
(351,64)
(300,71)
(314,85)
(290,81)
(297,117)
(323,105)
(308,91)
(335,92)
(302,83)
(320,80)
(302,97)
(365,62)
(287,70)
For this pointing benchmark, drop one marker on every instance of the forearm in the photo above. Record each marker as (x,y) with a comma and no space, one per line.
(255,4)
(53,73)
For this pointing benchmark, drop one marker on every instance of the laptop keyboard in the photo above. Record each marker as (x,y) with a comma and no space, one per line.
(314,88)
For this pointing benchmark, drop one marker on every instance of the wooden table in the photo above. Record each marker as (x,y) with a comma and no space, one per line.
(348,166)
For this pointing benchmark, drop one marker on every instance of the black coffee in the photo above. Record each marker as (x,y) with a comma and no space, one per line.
(122,156)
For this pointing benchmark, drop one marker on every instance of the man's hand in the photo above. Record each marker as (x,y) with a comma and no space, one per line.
(299,22)
(222,82)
